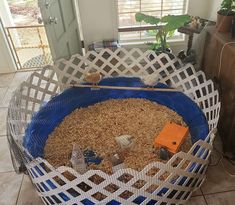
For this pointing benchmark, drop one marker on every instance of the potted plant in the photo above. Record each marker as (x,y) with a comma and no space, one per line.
(165,28)
(225,16)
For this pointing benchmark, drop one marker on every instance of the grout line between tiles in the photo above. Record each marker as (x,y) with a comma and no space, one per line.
(220,192)
(17,198)
(5,172)
(205,199)
(201,192)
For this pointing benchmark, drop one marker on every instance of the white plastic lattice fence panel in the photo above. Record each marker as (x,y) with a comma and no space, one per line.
(183,173)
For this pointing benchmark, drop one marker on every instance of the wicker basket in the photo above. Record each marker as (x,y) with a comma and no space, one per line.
(55,187)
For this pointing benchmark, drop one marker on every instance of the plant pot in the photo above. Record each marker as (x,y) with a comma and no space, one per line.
(224,23)
(159,51)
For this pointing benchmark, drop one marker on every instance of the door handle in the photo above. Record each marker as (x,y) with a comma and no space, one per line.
(52,20)
(40,21)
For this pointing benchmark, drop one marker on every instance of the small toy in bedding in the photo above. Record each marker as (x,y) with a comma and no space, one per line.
(124,141)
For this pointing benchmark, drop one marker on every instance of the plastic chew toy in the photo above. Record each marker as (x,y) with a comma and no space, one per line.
(171,137)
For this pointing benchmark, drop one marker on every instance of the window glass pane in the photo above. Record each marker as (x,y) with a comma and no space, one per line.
(134,35)
(151,5)
(127,20)
(173,4)
(158,8)
(128,6)
(145,35)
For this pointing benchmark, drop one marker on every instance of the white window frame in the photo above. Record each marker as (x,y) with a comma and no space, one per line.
(149,40)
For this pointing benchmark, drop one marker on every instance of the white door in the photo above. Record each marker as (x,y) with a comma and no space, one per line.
(61,25)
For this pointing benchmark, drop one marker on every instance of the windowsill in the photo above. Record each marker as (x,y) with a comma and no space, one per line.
(144,44)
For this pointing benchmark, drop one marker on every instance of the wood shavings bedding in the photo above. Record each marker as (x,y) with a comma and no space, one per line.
(96,127)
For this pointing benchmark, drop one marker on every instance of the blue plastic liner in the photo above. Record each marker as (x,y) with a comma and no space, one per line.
(52,113)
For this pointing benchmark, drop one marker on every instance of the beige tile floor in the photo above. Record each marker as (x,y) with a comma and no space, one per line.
(218,189)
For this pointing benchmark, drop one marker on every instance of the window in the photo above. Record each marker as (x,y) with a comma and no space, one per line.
(132,31)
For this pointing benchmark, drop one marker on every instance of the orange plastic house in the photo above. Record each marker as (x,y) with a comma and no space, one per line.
(171,137)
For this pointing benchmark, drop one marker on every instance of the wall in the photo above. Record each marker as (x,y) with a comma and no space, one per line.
(198,8)
(6,61)
(99,18)
(214,7)
(6,14)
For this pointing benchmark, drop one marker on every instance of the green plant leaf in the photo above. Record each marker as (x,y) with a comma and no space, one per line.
(151,32)
(226,7)
(173,22)
(168,25)
(154,46)
(171,33)
(159,34)
(226,4)
(146,18)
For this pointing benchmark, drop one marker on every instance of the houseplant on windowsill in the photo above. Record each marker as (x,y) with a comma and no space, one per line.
(165,28)
(225,16)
